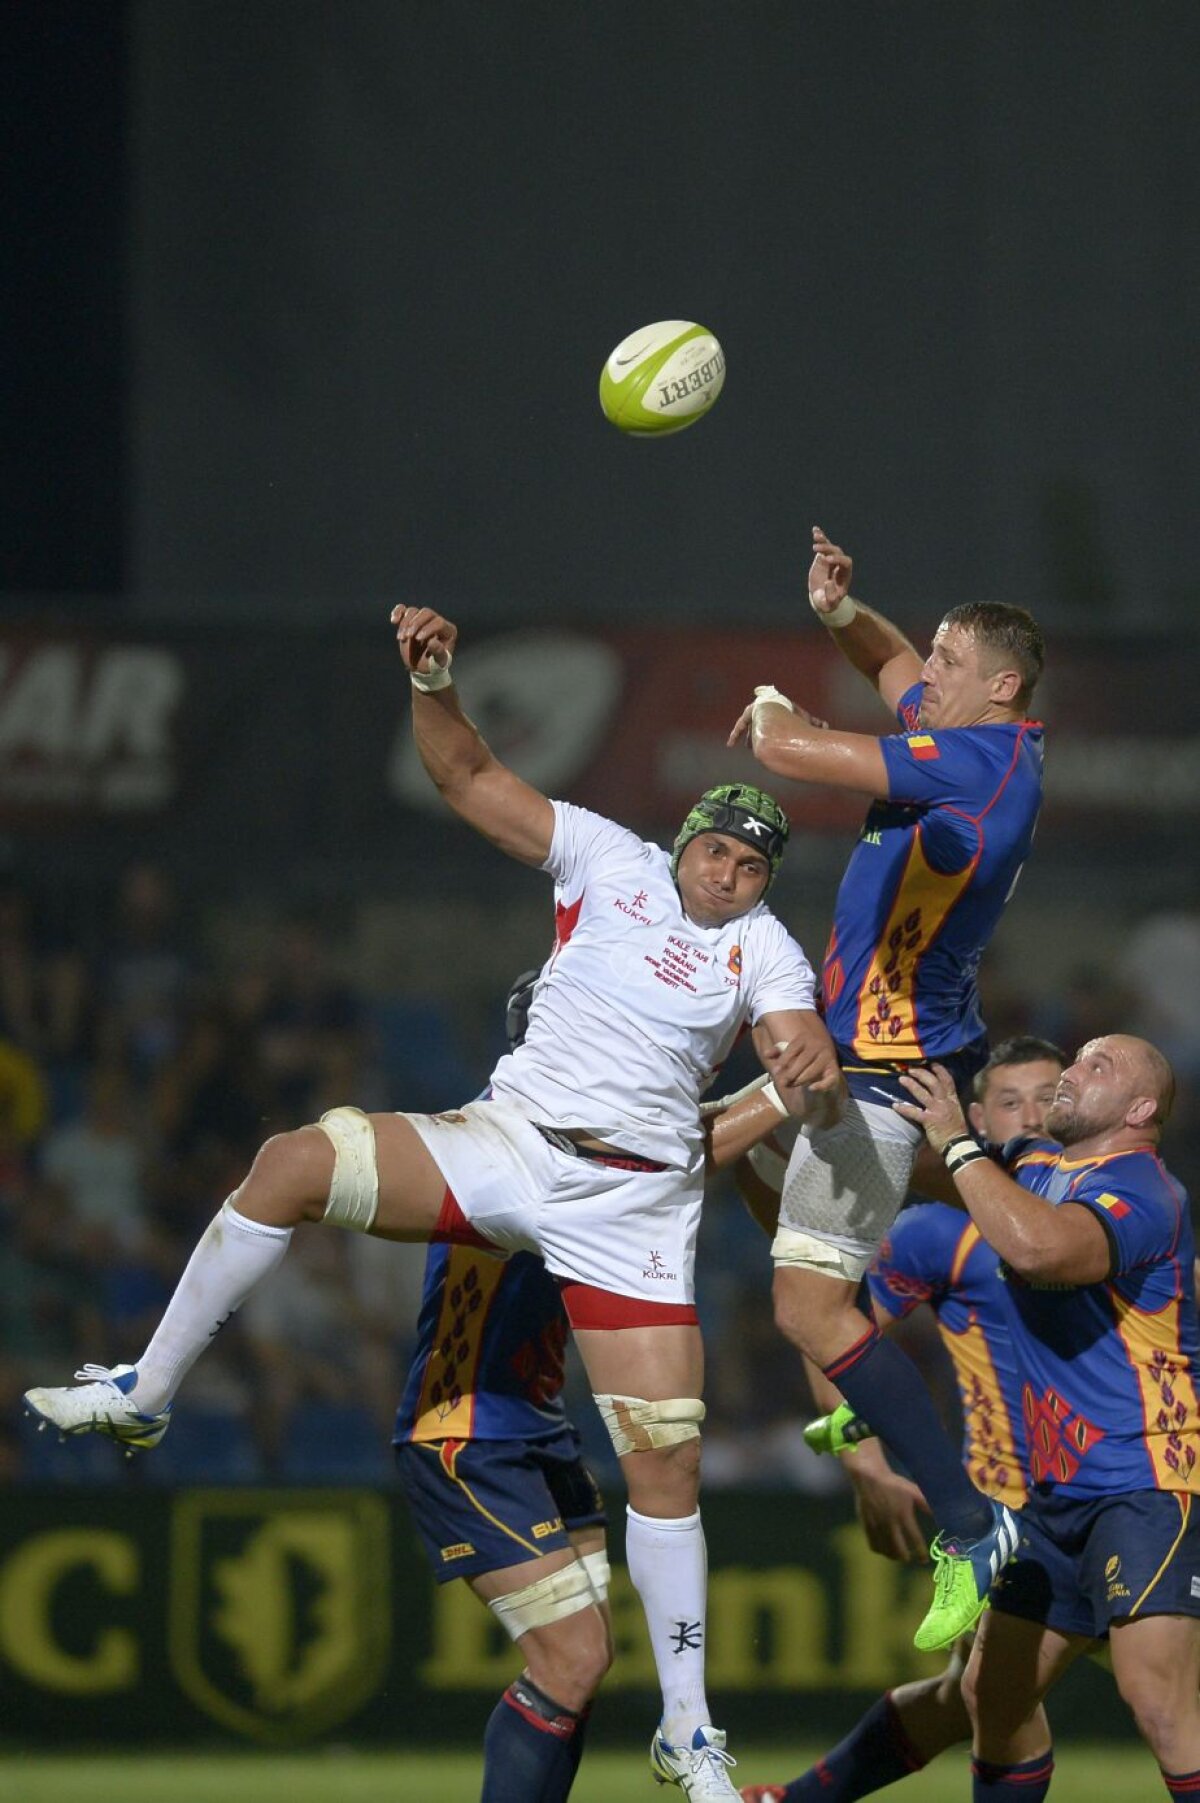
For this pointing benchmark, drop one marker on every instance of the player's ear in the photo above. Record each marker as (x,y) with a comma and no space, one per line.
(1006,686)
(975,1116)
(1141,1111)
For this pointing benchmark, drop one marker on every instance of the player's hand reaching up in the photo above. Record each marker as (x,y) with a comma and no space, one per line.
(829,574)
(426,639)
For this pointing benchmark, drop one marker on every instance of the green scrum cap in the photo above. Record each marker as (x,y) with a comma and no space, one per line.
(743,812)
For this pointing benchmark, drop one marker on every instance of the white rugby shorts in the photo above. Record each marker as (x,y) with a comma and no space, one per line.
(632,1233)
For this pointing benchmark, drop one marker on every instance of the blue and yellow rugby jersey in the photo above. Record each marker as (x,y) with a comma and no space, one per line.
(935,1255)
(1111,1370)
(488,1365)
(926,884)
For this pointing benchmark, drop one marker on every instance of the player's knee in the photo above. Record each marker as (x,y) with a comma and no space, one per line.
(809,1305)
(569,1660)
(671,1426)
(288,1181)
(1156,1707)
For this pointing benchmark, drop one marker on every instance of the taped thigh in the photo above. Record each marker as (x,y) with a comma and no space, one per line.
(848,1264)
(846,1183)
(637,1426)
(354,1192)
(550,1599)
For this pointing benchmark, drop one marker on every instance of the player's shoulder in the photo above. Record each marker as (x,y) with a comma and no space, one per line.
(1138,1175)
(1029,1152)
(590,834)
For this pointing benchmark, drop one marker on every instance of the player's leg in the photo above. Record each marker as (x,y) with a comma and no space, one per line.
(372,1173)
(485,1510)
(647,1381)
(1014,1663)
(843,1189)
(534,1738)
(1156,1662)
(899,1734)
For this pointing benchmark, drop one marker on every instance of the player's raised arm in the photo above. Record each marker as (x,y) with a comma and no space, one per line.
(511,813)
(872,644)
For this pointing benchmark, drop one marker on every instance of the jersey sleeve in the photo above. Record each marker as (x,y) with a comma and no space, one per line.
(780,977)
(914,1262)
(962,766)
(580,838)
(1139,1215)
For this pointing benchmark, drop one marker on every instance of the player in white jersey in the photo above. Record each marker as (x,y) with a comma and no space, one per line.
(587,1149)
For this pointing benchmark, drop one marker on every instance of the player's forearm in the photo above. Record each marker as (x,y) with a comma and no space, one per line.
(1023,1229)
(790,744)
(449,744)
(871,642)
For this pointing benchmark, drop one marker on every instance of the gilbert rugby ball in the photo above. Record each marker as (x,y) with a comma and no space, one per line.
(662,378)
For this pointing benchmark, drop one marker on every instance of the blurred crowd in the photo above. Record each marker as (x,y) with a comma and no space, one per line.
(141,1066)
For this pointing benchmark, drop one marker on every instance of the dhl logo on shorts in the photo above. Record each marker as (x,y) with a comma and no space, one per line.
(462,1549)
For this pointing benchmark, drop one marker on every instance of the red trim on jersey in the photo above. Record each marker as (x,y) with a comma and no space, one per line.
(565,922)
(454,1229)
(587,1306)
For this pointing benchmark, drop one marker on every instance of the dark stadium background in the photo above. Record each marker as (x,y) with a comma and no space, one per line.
(304,311)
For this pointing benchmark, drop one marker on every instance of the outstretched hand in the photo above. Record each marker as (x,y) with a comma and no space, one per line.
(767,696)
(935,1106)
(426,638)
(829,574)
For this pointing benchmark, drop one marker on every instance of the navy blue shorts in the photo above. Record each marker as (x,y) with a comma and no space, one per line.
(878,1081)
(1083,1563)
(480,1505)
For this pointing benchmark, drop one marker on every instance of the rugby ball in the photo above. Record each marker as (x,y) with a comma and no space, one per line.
(662,378)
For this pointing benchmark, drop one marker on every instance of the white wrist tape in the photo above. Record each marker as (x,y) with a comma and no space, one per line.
(775,1099)
(430,681)
(841,615)
(961,1150)
(766,693)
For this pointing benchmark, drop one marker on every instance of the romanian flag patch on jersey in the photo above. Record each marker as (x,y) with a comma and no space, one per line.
(1113,1205)
(922,746)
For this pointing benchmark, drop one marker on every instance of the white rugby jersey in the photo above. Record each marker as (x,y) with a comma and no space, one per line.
(637,1006)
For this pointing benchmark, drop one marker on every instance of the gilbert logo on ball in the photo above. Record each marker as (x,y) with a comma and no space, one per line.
(662,378)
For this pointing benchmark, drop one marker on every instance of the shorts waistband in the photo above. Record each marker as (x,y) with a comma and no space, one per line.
(615,1159)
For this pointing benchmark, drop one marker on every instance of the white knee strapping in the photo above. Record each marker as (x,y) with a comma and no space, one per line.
(597,1567)
(790,1247)
(563,1593)
(354,1192)
(635,1425)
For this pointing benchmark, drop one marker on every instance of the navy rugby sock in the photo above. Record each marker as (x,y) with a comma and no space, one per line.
(1006,1783)
(882,1384)
(874,1753)
(1182,1784)
(527,1748)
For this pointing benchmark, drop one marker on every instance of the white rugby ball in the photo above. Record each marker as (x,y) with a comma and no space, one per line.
(662,378)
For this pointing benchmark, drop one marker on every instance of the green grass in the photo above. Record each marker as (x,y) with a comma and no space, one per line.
(1085,1774)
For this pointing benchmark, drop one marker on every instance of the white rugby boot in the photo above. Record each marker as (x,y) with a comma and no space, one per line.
(701,1770)
(100,1403)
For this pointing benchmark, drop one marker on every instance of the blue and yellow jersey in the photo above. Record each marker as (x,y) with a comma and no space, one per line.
(926,884)
(1111,1370)
(935,1255)
(491,1336)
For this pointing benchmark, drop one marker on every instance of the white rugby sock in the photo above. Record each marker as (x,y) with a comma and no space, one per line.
(233,1255)
(668,1565)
